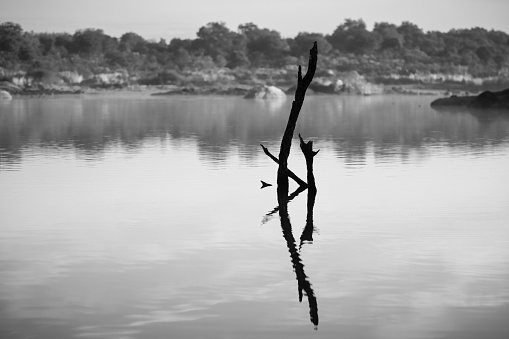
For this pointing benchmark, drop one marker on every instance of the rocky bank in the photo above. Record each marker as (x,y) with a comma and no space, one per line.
(485,100)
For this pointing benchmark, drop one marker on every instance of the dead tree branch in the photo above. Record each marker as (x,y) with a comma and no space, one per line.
(304,286)
(309,154)
(286,143)
(292,175)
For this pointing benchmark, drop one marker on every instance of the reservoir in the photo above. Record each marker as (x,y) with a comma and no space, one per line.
(128,216)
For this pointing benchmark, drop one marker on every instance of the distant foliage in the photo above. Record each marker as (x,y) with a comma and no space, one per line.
(387,49)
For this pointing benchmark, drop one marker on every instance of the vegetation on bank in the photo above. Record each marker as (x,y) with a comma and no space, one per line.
(387,54)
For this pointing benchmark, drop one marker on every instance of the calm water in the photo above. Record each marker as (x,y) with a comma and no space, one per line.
(142,217)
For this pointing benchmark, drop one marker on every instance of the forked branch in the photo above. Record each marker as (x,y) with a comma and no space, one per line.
(292,175)
(286,143)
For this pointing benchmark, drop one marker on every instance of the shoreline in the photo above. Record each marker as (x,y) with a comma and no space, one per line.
(231,90)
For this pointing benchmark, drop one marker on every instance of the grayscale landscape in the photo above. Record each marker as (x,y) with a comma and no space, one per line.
(254,170)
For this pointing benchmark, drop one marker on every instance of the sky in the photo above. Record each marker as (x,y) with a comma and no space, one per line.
(167,19)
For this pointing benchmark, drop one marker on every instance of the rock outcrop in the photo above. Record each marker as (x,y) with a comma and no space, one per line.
(327,86)
(485,100)
(265,92)
(322,86)
(354,83)
(4,95)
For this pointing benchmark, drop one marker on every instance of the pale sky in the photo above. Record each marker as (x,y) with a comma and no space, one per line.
(155,19)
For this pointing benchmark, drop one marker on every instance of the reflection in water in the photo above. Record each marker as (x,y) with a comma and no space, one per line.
(392,127)
(273,105)
(307,234)
(302,279)
(100,235)
(309,229)
(269,215)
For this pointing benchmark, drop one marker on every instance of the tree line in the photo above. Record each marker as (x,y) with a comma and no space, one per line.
(386,49)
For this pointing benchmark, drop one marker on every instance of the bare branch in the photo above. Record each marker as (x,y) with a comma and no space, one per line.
(307,150)
(286,143)
(289,172)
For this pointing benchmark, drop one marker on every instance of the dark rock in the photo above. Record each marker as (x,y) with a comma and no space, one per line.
(326,89)
(485,100)
(236,90)
(205,90)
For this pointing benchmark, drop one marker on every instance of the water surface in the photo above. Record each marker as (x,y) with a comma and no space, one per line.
(142,217)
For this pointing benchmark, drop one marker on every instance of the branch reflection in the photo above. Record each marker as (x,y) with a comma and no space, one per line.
(307,235)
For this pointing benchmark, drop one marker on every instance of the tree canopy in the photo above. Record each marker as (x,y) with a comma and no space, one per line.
(386,48)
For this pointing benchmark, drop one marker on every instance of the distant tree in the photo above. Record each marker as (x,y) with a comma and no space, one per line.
(300,45)
(215,40)
(182,58)
(46,43)
(109,44)
(116,59)
(238,55)
(476,35)
(11,35)
(132,42)
(264,46)
(158,52)
(501,59)
(433,44)
(388,35)
(484,53)
(468,58)
(176,44)
(412,35)
(353,37)
(237,59)
(29,48)
(498,38)
(162,42)
(88,42)
(63,44)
